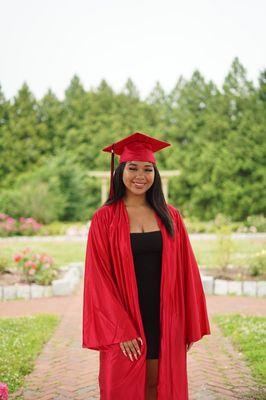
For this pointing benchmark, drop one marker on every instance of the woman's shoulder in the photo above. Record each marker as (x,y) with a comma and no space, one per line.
(103,213)
(173,210)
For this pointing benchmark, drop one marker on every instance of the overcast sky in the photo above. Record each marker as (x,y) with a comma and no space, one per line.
(46,42)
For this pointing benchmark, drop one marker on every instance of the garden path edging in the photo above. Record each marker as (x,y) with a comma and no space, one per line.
(59,287)
(225,287)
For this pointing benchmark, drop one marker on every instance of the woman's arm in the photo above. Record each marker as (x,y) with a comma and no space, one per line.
(197,323)
(105,321)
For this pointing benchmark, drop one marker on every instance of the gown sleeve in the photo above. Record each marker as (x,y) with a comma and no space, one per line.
(105,320)
(197,323)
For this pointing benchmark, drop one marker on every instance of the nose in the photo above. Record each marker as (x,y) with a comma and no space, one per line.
(140,175)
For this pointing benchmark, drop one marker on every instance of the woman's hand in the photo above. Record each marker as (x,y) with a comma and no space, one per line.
(189,345)
(131,347)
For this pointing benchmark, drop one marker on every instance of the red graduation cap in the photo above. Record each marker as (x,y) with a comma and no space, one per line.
(136,147)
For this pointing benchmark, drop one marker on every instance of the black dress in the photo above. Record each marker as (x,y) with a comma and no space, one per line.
(147,254)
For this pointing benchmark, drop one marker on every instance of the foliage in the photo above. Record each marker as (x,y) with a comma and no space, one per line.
(224,242)
(56,191)
(217,136)
(257,222)
(21,341)
(257,264)
(55,228)
(4,264)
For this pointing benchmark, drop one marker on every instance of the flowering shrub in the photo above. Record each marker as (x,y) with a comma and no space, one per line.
(23,226)
(3,391)
(28,226)
(8,225)
(36,268)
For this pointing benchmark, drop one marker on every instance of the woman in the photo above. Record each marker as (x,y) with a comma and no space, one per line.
(144,303)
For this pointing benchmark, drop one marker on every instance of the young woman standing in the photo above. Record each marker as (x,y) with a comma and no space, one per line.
(144,303)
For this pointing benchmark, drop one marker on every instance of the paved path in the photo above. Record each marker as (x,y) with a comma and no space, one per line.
(216,371)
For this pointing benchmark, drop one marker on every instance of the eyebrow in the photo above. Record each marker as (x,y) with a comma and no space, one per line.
(146,165)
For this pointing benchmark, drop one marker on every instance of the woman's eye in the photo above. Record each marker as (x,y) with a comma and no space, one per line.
(134,169)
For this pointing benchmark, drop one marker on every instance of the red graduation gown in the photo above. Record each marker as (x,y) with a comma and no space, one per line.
(111,312)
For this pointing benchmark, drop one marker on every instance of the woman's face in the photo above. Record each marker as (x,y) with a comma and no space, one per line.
(138,176)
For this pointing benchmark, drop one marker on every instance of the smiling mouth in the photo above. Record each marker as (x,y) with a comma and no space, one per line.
(139,185)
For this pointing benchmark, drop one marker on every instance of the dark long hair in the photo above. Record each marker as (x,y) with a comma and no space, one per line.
(154,195)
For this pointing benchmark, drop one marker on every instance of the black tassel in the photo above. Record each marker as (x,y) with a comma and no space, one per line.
(111,191)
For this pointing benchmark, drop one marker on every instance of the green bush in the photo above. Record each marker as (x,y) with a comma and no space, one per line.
(256,221)
(257,264)
(39,200)
(224,242)
(54,228)
(4,264)
(58,191)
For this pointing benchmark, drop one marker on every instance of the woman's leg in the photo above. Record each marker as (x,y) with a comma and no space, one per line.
(151,380)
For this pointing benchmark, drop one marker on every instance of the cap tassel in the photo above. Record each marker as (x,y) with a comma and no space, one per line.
(111,191)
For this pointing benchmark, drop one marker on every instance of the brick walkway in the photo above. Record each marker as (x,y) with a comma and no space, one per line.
(66,371)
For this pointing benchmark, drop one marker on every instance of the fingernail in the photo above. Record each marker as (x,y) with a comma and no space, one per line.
(139,352)
(131,357)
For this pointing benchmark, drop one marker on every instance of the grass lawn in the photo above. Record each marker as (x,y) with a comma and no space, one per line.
(21,341)
(248,335)
(62,252)
(68,251)
(205,250)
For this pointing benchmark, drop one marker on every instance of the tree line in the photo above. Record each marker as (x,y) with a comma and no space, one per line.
(47,145)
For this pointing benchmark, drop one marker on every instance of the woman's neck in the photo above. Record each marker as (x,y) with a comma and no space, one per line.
(131,200)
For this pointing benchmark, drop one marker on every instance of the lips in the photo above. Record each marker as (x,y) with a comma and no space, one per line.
(139,185)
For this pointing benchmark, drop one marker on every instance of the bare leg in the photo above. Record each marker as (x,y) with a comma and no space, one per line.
(151,383)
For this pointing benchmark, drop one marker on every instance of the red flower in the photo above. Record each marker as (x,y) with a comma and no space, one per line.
(17,257)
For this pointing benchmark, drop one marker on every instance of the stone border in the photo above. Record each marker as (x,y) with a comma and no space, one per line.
(74,272)
(59,287)
(238,288)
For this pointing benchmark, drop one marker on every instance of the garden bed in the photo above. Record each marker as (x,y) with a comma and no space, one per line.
(64,285)
(13,276)
(232,274)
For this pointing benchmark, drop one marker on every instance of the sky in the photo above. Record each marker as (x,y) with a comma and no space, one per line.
(46,42)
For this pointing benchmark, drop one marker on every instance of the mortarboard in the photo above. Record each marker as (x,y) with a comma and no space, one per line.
(136,147)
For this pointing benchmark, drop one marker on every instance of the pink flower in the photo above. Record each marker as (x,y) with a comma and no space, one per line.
(28,263)
(46,259)
(17,257)
(3,391)
(31,271)
(27,250)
